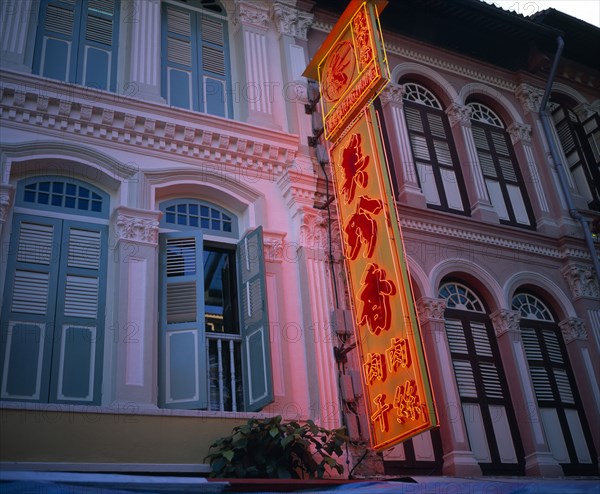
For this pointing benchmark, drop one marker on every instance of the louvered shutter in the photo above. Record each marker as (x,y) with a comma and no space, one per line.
(97,60)
(183,376)
(80,315)
(256,354)
(27,321)
(56,45)
(179,57)
(213,56)
(591,128)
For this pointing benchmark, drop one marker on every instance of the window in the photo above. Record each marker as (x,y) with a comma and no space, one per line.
(580,142)
(214,341)
(195,51)
(486,405)
(52,320)
(76,42)
(434,154)
(500,169)
(558,400)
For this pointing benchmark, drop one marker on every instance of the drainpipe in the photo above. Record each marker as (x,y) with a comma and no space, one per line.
(560,167)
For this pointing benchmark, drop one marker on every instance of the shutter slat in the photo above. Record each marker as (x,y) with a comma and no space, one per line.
(564,387)
(213,60)
(179,22)
(508,170)
(541,384)
(531,344)
(436,125)
(59,20)
(553,347)
(35,243)
(84,249)
(481,339)
(181,302)
(179,51)
(491,380)
(419,147)
(30,292)
(81,297)
(99,30)
(213,31)
(413,119)
(456,336)
(465,379)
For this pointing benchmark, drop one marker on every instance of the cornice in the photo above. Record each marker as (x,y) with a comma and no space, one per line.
(504,241)
(42,105)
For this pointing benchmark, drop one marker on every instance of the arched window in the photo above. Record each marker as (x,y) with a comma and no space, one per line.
(580,142)
(433,150)
(52,320)
(557,396)
(486,405)
(500,168)
(195,56)
(77,42)
(214,340)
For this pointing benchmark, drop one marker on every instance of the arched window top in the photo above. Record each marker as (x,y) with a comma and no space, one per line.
(459,296)
(212,5)
(420,94)
(183,214)
(63,194)
(531,307)
(484,114)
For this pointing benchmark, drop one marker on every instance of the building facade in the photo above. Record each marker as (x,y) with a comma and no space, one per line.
(172,262)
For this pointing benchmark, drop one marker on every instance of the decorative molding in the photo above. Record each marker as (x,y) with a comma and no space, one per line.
(504,321)
(586,110)
(136,225)
(530,98)
(313,229)
(459,114)
(572,329)
(519,133)
(251,14)
(581,280)
(291,21)
(298,188)
(409,224)
(7,194)
(273,246)
(392,93)
(152,127)
(431,309)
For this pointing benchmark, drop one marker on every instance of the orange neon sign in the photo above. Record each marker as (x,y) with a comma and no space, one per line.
(396,386)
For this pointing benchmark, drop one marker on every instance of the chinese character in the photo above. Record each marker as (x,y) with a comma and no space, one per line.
(361,228)
(375,297)
(362,32)
(375,367)
(406,402)
(353,166)
(380,413)
(398,354)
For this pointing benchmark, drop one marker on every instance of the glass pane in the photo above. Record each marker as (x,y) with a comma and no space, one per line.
(219,291)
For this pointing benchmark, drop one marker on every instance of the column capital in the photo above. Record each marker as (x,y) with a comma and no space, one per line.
(572,329)
(530,97)
(430,309)
(504,321)
(290,20)
(392,93)
(581,280)
(459,114)
(313,229)
(136,225)
(7,195)
(586,110)
(251,13)
(519,133)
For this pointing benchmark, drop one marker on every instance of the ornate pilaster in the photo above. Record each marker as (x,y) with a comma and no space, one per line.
(572,329)
(7,194)
(519,133)
(274,246)
(313,229)
(431,309)
(585,110)
(581,280)
(504,321)
(392,93)
(459,115)
(530,98)
(135,225)
(291,21)
(253,13)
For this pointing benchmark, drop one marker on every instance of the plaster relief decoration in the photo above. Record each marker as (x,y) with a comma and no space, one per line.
(573,329)
(504,321)
(392,93)
(431,308)
(251,13)
(519,132)
(7,193)
(459,114)
(581,280)
(290,21)
(529,97)
(133,225)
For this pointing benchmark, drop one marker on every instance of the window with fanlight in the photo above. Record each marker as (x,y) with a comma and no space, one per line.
(433,150)
(500,167)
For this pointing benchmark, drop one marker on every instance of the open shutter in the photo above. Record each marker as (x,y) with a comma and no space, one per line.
(256,354)
(97,60)
(27,321)
(56,46)
(79,330)
(183,378)
(179,56)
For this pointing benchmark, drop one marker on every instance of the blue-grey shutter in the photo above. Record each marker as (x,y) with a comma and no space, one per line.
(214,66)
(80,315)
(27,320)
(56,45)
(179,58)
(183,381)
(256,353)
(97,59)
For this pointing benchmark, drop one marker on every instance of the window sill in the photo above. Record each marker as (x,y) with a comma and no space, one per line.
(129,408)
